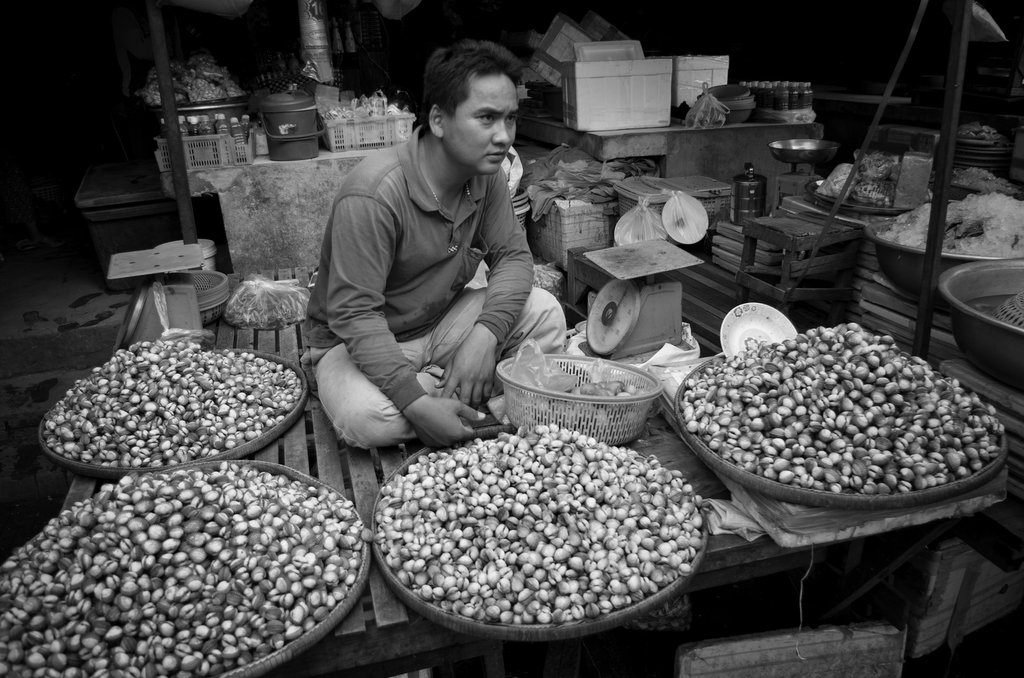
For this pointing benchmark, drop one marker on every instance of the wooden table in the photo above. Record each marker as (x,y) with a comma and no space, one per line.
(718,152)
(381,637)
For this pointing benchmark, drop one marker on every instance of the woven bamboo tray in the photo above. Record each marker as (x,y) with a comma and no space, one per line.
(243,450)
(821,498)
(531,632)
(322,628)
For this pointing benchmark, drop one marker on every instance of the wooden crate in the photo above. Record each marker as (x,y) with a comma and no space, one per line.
(953,590)
(870,649)
(569,224)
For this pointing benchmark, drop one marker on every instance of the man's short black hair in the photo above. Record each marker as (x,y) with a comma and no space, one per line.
(449,69)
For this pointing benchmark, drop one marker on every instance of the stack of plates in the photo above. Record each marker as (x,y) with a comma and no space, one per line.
(991,154)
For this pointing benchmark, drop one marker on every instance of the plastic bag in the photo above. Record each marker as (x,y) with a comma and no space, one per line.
(531,368)
(549,277)
(200,336)
(260,303)
(639,223)
(707,111)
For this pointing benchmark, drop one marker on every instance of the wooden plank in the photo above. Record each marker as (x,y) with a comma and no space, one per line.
(295,449)
(225,335)
(243,338)
(386,607)
(329,470)
(994,391)
(82,487)
(863,650)
(881,296)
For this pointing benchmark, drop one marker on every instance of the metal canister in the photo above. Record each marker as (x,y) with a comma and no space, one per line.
(748,195)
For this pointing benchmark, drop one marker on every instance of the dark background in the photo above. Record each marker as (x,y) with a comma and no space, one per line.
(64,109)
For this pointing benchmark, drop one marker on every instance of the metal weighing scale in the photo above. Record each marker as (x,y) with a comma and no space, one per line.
(629,316)
(802,155)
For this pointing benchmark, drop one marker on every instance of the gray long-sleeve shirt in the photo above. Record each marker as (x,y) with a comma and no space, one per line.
(391,264)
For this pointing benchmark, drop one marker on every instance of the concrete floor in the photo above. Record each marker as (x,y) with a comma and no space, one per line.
(57,321)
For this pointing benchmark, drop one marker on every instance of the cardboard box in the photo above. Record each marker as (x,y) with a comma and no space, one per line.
(690,73)
(597,26)
(604,95)
(900,138)
(556,48)
(934,580)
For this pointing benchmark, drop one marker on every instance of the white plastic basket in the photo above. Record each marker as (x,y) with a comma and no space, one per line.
(368,133)
(610,419)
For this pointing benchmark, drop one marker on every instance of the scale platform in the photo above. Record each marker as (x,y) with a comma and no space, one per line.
(628,317)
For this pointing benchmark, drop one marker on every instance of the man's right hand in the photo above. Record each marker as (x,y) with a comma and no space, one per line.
(438,421)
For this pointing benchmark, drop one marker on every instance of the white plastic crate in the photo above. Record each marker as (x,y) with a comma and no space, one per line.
(369,133)
(207,151)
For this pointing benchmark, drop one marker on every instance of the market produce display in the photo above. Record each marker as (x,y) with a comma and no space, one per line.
(198,79)
(985,224)
(185,572)
(984,181)
(542,532)
(164,403)
(839,412)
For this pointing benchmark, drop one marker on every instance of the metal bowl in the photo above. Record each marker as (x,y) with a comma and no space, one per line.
(973,292)
(903,266)
(813,151)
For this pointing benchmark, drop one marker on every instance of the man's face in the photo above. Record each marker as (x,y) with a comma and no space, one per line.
(481,131)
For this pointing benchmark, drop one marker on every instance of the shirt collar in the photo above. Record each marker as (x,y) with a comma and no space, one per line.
(419,191)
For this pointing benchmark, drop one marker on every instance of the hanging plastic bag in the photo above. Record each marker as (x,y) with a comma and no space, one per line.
(639,223)
(707,111)
(260,303)
(531,368)
(684,218)
(200,336)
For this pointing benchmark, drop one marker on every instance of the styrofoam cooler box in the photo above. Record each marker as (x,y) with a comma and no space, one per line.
(689,73)
(604,95)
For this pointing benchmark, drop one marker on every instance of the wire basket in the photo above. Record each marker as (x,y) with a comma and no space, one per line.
(611,419)
(1011,310)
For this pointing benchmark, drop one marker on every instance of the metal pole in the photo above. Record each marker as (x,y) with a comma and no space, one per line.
(179,172)
(943,170)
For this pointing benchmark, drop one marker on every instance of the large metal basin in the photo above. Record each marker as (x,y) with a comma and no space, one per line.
(973,292)
(903,266)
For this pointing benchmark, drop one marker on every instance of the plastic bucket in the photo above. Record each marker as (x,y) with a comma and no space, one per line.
(209,252)
(292,125)
(293,146)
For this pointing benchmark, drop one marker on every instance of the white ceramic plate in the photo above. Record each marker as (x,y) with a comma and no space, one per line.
(753,321)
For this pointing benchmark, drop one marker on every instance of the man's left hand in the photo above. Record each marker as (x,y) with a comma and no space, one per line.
(470,373)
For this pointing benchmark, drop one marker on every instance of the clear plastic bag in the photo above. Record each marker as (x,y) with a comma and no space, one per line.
(707,111)
(639,223)
(531,368)
(200,336)
(260,303)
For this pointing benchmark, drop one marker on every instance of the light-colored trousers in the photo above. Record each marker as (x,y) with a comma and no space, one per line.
(365,417)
